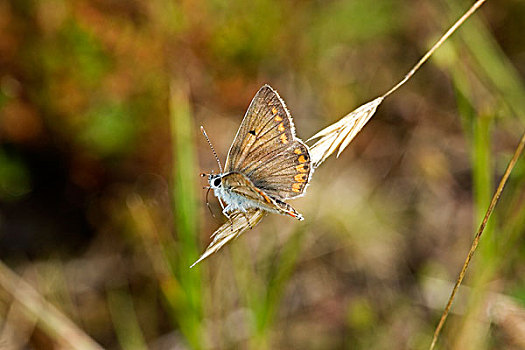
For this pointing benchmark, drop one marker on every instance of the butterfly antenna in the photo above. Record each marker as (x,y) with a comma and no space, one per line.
(208,202)
(212,149)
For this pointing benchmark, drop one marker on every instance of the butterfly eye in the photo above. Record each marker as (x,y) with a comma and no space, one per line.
(216,182)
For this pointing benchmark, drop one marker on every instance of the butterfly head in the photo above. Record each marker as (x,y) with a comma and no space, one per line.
(215,181)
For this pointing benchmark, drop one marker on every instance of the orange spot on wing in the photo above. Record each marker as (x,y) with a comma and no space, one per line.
(284,139)
(300,177)
(292,214)
(296,187)
(297,151)
(280,127)
(302,168)
(266,198)
(274,110)
(278,118)
(302,159)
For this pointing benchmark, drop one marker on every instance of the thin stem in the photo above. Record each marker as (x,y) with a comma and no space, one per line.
(475,242)
(445,36)
(53,322)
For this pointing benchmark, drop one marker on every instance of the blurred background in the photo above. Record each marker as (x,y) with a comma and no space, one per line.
(101,204)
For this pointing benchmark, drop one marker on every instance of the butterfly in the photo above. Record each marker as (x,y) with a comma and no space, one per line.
(266,164)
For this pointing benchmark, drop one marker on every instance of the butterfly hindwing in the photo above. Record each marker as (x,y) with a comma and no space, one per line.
(241,185)
(266,150)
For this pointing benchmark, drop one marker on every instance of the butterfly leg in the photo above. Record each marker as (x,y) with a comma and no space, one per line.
(247,219)
(225,212)
(222,206)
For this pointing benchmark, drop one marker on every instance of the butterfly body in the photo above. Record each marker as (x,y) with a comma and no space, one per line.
(240,194)
(234,201)
(266,163)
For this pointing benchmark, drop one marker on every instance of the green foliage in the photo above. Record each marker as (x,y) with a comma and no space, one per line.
(187,307)
(352,23)
(118,90)
(246,33)
(109,130)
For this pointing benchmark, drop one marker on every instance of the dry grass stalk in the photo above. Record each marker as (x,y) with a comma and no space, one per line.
(334,137)
(475,242)
(52,321)
(17,327)
(231,229)
(500,310)
(342,132)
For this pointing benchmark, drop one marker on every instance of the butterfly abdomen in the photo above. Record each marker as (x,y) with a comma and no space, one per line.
(289,210)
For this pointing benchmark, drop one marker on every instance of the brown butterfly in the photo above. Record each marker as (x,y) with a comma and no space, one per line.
(266,164)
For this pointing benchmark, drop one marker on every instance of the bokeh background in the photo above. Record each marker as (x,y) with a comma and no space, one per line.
(101,206)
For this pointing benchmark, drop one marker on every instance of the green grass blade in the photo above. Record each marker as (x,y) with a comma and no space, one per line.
(189,309)
(125,321)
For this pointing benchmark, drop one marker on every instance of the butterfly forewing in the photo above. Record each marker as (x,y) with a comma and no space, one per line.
(266,150)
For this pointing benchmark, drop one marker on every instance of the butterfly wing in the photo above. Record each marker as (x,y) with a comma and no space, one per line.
(241,185)
(266,150)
